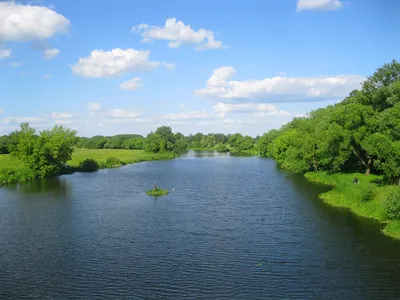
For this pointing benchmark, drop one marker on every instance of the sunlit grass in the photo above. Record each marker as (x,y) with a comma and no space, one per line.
(157,192)
(345,193)
(125,156)
(14,170)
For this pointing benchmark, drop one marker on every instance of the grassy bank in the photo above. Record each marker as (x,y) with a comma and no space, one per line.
(366,199)
(125,156)
(14,170)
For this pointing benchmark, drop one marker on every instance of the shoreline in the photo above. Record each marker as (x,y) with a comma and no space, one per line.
(345,194)
(22,175)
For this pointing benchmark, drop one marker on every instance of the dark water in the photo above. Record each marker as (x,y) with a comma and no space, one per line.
(233,228)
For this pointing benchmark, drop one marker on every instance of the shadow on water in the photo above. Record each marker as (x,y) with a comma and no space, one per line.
(56,185)
(365,230)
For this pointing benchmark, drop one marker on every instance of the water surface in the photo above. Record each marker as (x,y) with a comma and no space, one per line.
(232,228)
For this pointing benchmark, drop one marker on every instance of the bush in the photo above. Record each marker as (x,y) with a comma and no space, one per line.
(112,162)
(368,193)
(89,165)
(392,205)
(157,192)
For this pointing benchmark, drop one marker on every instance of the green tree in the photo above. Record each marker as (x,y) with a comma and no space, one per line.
(46,153)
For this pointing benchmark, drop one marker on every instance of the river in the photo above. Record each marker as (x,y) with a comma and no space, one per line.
(231,228)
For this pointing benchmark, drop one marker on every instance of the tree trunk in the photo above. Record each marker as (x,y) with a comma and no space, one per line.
(368,167)
(367,164)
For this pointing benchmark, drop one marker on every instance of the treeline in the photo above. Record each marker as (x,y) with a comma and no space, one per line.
(359,134)
(163,139)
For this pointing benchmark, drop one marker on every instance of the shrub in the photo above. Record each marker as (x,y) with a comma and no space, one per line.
(368,193)
(157,192)
(392,205)
(89,165)
(112,162)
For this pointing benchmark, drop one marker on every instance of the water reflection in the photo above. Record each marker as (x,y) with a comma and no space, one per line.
(58,186)
(204,153)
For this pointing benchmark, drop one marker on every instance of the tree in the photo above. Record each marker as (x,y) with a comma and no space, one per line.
(46,153)
(153,143)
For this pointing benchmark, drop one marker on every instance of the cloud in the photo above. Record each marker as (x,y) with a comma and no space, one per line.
(27,22)
(96,108)
(47,76)
(114,63)
(168,65)
(190,115)
(177,33)
(127,121)
(5,53)
(23,120)
(1,111)
(15,64)
(131,84)
(278,89)
(122,113)
(260,109)
(57,115)
(64,122)
(51,53)
(318,5)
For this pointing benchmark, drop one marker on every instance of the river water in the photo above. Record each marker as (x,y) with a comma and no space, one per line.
(231,228)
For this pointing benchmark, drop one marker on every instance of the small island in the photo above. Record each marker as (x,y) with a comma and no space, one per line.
(156,192)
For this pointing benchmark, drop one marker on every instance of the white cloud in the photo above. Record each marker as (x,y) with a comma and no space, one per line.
(5,53)
(131,84)
(23,120)
(122,113)
(279,89)
(94,107)
(51,53)
(126,121)
(260,109)
(177,33)
(168,65)
(47,76)
(57,115)
(181,105)
(64,122)
(190,115)
(114,63)
(1,111)
(15,64)
(27,22)
(318,5)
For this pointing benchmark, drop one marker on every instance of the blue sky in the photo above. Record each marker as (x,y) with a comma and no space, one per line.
(104,67)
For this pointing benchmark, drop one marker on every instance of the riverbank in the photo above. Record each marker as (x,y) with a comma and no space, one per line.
(13,170)
(232,151)
(366,199)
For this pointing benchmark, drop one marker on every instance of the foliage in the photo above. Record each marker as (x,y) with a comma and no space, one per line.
(157,192)
(46,153)
(392,205)
(368,193)
(113,162)
(359,134)
(89,165)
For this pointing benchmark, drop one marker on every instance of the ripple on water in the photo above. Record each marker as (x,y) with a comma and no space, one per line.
(234,228)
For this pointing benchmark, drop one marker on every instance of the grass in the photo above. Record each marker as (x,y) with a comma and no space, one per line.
(124,156)
(157,192)
(345,193)
(14,170)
